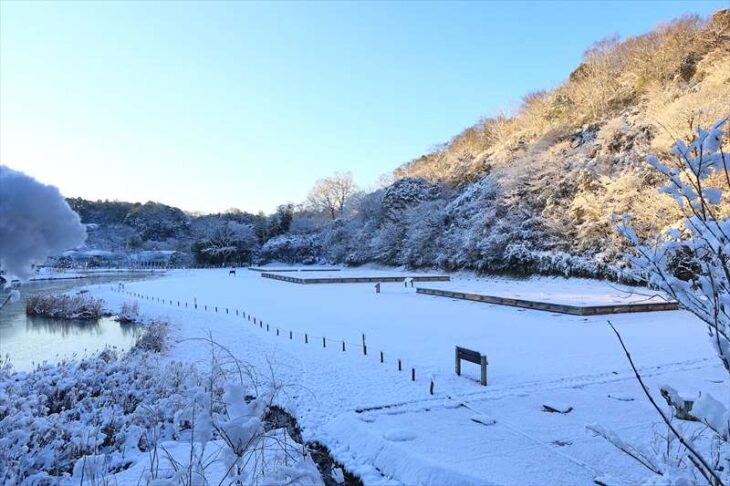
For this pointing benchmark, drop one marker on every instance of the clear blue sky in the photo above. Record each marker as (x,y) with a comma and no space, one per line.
(209,106)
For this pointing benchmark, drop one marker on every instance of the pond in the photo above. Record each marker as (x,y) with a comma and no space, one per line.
(29,341)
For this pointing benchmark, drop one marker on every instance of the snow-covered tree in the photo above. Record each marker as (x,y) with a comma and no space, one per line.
(698,178)
(156,221)
(305,249)
(230,242)
(35,222)
(406,193)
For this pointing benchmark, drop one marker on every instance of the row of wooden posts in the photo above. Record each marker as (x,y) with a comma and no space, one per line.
(260,323)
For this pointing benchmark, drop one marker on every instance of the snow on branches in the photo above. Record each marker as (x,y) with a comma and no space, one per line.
(700,245)
(36,222)
(691,262)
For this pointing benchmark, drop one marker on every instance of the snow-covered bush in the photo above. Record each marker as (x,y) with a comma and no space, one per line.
(129,312)
(54,416)
(79,306)
(291,249)
(698,178)
(134,419)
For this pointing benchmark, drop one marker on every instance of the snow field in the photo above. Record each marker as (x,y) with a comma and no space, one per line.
(534,357)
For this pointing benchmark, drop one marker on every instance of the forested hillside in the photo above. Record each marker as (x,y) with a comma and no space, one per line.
(124,229)
(536,190)
(533,190)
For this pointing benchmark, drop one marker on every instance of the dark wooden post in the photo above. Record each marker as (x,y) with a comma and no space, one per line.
(458,362)
(324,342)
(343,345)
(381,356)
(306,338)
(290,335)
(484,370)
(400,365)
(413,374)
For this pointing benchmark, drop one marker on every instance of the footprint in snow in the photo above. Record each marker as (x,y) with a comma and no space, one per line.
(399,435)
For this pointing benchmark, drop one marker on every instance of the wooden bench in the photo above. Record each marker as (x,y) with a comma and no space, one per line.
(473,357)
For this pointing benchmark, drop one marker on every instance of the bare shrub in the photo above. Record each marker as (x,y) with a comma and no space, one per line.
(154,337)
(330,194)
(129,312)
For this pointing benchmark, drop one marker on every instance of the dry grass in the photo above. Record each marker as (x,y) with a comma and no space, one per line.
(154,338)
(65,306)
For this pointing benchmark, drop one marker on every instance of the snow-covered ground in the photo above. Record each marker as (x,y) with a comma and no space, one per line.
(324,272)
(47,273)
(574,291)
(283,267)
(389,429)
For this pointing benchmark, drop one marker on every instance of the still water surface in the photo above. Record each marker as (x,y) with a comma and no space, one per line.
(29,341)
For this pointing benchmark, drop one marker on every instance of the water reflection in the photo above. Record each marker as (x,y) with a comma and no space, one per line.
(32,340)
(65,328)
